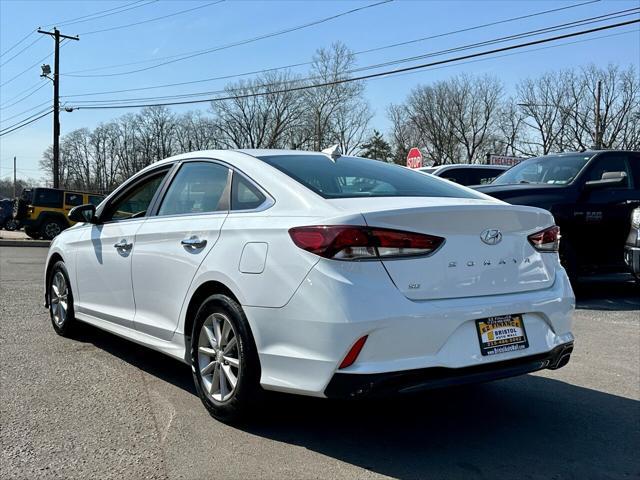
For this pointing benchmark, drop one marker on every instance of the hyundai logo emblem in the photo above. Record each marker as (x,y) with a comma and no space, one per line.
(491,236)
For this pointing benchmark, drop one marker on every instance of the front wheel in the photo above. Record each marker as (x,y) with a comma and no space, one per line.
(61,300)
(224,359)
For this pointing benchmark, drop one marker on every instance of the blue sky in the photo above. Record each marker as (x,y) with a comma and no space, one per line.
(233,20)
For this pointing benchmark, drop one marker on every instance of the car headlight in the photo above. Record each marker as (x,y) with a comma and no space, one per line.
(635,218)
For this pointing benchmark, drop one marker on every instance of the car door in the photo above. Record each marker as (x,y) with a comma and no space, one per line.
(172,243)
(602,216)
(104,253)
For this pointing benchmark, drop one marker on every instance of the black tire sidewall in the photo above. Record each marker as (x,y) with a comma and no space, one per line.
(248,387)
(66,328)
(43,228)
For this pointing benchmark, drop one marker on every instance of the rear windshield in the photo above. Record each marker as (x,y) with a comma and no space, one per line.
(359,177)
(552,169)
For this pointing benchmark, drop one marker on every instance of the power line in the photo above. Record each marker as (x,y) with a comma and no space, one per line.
(152,19)
(15,55)
(17,43)
(73,21)
(374,75)
(550,29)
(3,106)
(300,64)
(46,57)
(15,127)
(25,111)
(234,44)
(26,96)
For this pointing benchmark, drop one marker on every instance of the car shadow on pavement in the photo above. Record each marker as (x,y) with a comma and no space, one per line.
(525,427)
(154,363)
(608,292)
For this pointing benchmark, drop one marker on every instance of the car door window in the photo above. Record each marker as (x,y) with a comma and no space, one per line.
(198,187)
(135,202)
(244,195)
(609,163)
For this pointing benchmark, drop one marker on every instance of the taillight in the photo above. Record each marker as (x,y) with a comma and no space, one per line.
(547,240)
(349,242)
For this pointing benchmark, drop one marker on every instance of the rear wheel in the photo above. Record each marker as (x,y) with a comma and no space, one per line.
(51,228)
(226,369)
(61,300)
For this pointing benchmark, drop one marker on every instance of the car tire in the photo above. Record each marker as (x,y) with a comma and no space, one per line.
(51,228)
(11,225)
(223,349)
(60,300)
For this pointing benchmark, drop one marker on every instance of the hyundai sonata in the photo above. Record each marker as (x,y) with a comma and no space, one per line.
(316,274)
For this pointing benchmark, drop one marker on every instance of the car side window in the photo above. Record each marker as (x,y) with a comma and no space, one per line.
(45,197)
(198,187)
(244,195)
(95,200)
(135,202)
(458,175)
(609,163)
(482,176)
(73,199)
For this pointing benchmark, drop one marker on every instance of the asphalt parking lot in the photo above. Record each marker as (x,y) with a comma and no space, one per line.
(102,407)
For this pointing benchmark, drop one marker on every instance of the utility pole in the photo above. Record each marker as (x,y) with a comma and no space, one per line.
(598,121)
(56,102)
(15,185)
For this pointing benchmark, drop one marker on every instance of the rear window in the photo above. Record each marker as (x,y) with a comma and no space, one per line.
(359,177)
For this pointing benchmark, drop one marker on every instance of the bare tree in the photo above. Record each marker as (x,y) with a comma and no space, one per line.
(429,110)
(472,106)
(328,105)
(540,99)
(247,120)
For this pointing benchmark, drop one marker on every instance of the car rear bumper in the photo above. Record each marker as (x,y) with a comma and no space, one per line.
(302,344)
(346,385)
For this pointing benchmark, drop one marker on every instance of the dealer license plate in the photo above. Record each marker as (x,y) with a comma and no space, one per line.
(501,334)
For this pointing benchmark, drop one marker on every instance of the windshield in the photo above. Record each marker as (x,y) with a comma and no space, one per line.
(360,177)
(553,170)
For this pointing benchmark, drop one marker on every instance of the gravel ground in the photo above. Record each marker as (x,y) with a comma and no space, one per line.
(97,406)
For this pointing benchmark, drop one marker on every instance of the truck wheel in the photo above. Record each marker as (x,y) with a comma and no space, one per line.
(51,228)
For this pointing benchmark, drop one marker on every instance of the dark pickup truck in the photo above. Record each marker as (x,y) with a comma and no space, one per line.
(591,195)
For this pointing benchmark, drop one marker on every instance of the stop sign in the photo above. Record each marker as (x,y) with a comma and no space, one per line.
(414,158)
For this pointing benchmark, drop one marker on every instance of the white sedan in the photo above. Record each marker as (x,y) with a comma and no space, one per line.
(316,274)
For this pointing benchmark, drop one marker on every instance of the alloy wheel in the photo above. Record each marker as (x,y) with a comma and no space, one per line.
(51,230)
(218,357)
(59,298)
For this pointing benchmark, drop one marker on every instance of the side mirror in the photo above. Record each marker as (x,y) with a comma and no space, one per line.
(83,213)
(609,179)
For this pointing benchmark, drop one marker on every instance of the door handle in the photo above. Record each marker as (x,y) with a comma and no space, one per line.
(123,245)
(193,242)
